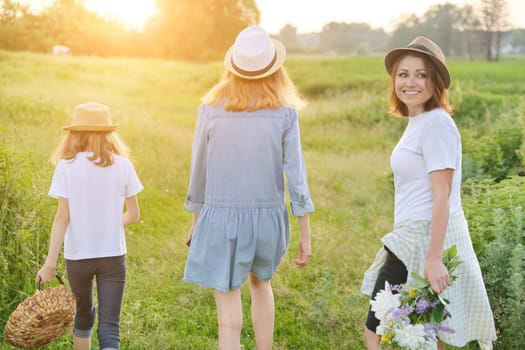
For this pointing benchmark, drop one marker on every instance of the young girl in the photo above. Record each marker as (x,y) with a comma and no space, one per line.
(428,216)
(247,134)
(93,180)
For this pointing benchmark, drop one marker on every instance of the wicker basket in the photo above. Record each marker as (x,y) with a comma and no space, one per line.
(42,318)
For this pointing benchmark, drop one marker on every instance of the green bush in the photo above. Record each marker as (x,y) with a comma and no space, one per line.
(477,109)
(494,155)
(496,216)
(23,222)
(500,154)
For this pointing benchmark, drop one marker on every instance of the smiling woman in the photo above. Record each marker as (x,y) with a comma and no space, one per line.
(133,14)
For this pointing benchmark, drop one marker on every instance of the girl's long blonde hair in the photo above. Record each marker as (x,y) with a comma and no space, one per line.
(103,145)
(238,94)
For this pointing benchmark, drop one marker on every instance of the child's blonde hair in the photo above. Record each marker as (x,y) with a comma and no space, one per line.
(238,94)
(103,145)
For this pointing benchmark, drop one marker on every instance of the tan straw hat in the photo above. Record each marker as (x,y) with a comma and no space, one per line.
(91,116)
(425,46)
(254,54)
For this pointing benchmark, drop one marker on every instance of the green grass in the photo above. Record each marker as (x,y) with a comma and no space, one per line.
(347,138)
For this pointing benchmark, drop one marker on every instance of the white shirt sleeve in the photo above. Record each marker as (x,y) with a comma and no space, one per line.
(134,185)
(440,145)
(59,182)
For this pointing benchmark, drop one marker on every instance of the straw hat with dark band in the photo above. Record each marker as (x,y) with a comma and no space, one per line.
(91,116)
(254,54)
(424,46)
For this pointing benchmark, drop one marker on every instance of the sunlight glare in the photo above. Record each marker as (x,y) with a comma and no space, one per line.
(133,14)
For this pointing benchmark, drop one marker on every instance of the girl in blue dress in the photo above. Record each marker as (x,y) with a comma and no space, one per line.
(246,137)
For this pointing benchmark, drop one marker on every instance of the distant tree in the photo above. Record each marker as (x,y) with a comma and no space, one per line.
(183,29)
(494,18)
(13,32)
(439,23)
(310,42)
(199,29)
(11,10)
(457,30)
(469,24)
(332,38)
(376,40)
(350,38)
(517,40)
(288,35)
(70,23)
(405,29)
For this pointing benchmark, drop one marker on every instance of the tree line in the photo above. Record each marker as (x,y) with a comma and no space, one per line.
(204,29)
(461,31)
(182,29)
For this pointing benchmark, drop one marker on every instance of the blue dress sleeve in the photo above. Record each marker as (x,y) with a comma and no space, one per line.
(197,185)
(295,170)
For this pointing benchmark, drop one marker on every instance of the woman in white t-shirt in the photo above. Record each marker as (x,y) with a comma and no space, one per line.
(428,216)
(93,181)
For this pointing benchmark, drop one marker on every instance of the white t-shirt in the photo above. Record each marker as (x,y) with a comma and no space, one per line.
(431,141)
(96,198)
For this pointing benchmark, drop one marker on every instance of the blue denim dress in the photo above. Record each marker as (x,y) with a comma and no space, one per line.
(237,188)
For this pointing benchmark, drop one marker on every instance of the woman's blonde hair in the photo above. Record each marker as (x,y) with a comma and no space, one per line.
(439,97)
(103,145)
(238,94)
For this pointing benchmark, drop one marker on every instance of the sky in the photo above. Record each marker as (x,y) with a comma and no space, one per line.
(311,16)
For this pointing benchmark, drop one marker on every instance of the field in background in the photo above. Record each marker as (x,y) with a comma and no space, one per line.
(347,138)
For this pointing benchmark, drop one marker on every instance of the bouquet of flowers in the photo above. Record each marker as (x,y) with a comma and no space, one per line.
(412,318)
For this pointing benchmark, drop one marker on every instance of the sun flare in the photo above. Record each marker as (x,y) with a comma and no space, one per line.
(133,14)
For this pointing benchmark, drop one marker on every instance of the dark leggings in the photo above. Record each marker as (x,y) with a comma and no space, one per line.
(110,274)
(393,271)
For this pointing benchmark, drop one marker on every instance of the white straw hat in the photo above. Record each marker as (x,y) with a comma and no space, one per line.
(254,54)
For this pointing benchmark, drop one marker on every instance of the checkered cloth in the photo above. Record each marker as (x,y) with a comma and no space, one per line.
(469,306)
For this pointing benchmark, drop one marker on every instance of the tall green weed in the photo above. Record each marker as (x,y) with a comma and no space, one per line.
(496,153)
(23,220)
(496,215)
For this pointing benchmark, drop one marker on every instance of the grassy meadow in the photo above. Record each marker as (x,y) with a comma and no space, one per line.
(347,137)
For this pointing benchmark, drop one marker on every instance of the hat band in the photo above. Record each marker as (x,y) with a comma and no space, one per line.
(251,73)
(422,48)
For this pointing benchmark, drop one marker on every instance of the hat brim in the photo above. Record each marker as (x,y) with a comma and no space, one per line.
(392,56)
(99,128)
(280,56)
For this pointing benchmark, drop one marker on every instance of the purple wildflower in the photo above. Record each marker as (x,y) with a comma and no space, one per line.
(422,306)
(395,287)
(430,330)
(446,329)
(402,312)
